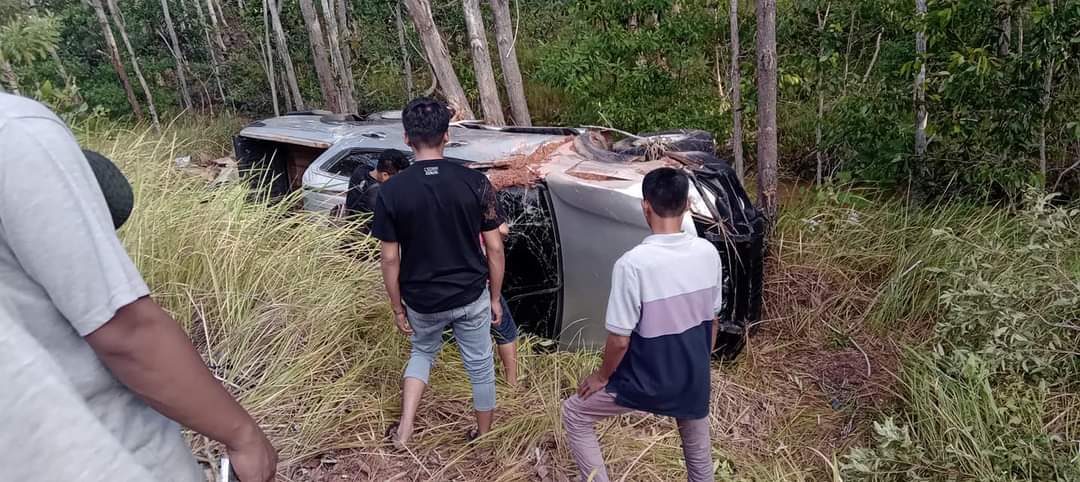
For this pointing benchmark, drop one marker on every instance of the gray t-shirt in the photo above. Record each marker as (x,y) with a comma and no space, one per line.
(64,274)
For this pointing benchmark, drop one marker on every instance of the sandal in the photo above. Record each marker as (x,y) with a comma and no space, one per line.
(472,434)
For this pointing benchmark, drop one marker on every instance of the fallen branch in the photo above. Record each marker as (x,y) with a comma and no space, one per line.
(873,59)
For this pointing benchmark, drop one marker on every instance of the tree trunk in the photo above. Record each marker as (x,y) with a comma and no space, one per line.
(920,86)
(341,11)
(114,57)
(406,64)
(485,76)
(319,53)
(873,58)
(1020,33)
(847,52)
(8,73)
(822,21)
(178,57)
(1005,37)
(284,89)
(438,57)
(736,93)
(515,87)
(1048,85)
(283,52)
(268,57)
(214,66)
(766,82)
(214,25)
(343,71)
(118,19)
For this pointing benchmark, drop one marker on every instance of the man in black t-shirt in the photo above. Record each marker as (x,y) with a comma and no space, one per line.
(365,181)
(430,219)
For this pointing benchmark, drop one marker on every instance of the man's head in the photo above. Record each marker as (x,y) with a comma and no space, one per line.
(666,192)
(118,194)
(391,162)
(426,122)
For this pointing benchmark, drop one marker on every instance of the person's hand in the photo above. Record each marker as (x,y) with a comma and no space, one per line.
(402,322)
(591,384)
(253,458)
(496,311)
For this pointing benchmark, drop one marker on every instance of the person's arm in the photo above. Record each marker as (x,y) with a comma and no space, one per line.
(715,333)
(622,317)
(148,352)
(720,303)
(57,224)
(614,349)
(391,271)
(492,224)
(384,230)
(496,261)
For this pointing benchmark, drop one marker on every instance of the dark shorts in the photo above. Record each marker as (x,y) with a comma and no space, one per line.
(507,331)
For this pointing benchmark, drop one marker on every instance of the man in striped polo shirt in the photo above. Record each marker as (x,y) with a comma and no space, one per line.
(665,294)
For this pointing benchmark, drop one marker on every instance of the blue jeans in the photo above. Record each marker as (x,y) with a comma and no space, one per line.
(507,331)
(472,329)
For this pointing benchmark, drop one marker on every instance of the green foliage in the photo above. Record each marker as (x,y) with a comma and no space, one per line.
(641,65)
(980,404)
(27,38)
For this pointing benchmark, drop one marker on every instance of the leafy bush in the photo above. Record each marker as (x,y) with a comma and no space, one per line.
(982,402)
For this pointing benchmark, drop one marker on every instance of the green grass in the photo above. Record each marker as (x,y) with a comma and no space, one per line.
(297,327)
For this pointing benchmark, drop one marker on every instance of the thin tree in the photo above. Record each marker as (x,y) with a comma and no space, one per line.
(1005,36)
(118,20)
(323,68)
(920,84)
(505,39)
(406,63)
(438,57)
(215,29)
(736,93)
(268,57)
(341,12)
(485,76)
(822,21)
(178,57)
(283,51)
(342,70)
(1047,97)
(214,64)
(766,83)
(114,57)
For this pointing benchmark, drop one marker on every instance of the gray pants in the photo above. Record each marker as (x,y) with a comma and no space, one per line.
(580,417)
(472,329)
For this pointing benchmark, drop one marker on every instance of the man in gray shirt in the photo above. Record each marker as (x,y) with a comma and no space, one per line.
(95,374)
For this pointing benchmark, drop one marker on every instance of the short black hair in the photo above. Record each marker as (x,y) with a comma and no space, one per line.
(392,161)
(117,190)
(426,121)
(666,189)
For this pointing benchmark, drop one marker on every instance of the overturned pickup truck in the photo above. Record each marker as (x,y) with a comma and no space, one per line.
(572,200)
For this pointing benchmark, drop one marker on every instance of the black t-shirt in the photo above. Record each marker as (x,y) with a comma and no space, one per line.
(363,190)
(436,210)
